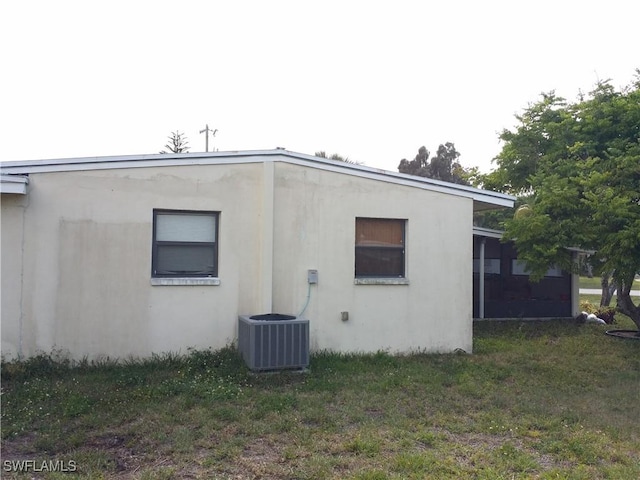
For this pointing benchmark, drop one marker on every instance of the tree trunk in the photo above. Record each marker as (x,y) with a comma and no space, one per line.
(608,287)
(625,304)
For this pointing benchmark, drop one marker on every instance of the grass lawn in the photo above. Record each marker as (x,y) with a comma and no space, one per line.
(593,282)
(535,400)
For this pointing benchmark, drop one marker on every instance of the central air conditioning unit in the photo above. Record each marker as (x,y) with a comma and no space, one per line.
(273,341)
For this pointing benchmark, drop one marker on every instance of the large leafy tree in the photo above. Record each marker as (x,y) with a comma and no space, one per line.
(579,164)
(444,165)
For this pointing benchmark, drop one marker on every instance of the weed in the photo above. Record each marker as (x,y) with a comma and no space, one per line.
(360,445)
(371,475)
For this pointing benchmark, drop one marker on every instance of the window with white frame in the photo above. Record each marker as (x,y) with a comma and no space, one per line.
(185,244)
(380,248)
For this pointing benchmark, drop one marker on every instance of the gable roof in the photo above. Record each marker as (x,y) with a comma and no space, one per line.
(483,199)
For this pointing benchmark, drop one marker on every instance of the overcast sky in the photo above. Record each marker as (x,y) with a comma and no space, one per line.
(370,80)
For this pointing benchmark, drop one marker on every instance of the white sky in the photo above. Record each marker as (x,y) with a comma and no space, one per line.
(369,80)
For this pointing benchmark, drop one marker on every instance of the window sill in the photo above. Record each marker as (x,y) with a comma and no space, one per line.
(381,281)
(211,281)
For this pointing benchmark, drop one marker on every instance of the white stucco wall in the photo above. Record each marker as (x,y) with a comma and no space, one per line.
(315,228)
(86,247)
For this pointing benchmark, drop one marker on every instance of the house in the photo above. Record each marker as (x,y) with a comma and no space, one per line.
(134,255)
(502,288)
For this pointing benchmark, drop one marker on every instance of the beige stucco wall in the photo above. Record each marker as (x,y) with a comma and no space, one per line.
(87,261)
(315,229)
(11,241)
(84,284)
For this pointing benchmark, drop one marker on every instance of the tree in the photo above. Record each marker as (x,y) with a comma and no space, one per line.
(335,156)
(579,162)
(443,166)
(177,143)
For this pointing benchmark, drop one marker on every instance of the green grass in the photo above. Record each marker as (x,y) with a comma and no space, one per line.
(590,282)
(536,400)
(594,282)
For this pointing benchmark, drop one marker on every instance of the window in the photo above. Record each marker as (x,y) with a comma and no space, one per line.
(184,244)
(519,268)
(491,266)
(380,247)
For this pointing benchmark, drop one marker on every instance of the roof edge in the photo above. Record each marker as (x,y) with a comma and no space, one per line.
(14,184)
(483,198)
(487,232)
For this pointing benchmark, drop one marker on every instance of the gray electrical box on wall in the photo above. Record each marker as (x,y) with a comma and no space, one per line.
(312,276)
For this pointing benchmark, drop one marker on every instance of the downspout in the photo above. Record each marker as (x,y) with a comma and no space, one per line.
(483,241)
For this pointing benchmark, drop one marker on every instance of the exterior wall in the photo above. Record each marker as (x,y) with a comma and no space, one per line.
(87,261)
(315,229)
(84,285)
(11,242)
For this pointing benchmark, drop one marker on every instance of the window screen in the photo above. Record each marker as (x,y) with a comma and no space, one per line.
(380,247)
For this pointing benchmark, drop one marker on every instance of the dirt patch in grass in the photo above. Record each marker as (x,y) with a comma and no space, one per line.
(116,456)
(124,458)
(20,447)
(260,458)
(467,445)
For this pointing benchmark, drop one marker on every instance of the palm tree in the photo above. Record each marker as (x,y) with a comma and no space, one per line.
(335,156)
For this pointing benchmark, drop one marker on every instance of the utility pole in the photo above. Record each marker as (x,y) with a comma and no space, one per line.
(206,132)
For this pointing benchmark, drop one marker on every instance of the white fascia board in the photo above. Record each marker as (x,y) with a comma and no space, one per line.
(132,161)
(487,232)
(13,184)
(483,199)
